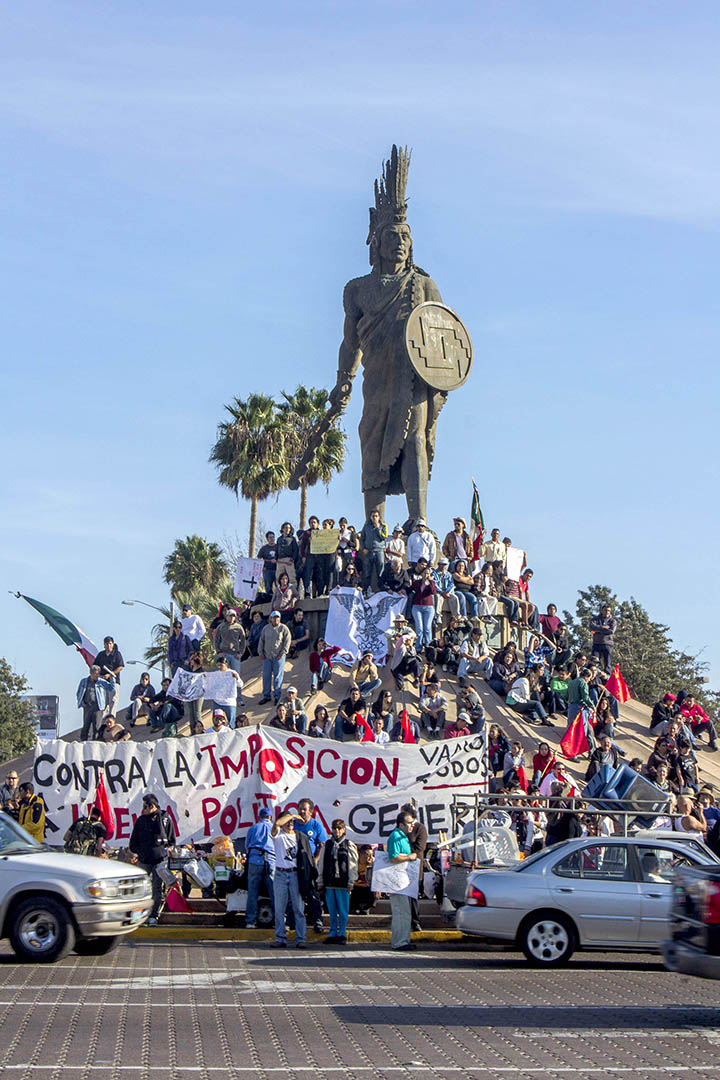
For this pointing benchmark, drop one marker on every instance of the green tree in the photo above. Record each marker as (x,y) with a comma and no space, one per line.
(648,659)
(302,412)
(249,453)
(192,562)
(17,731)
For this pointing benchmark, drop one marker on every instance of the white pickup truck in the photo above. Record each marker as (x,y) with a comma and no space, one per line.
(52,903)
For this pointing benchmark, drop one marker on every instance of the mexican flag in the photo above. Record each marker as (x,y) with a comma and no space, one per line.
(68,631)
(477,524)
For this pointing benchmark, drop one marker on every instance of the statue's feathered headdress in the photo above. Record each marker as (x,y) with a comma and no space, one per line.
(390,204)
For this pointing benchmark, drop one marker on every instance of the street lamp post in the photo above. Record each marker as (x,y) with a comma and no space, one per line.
(131,603)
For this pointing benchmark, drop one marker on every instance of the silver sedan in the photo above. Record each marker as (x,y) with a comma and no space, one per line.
(591,893)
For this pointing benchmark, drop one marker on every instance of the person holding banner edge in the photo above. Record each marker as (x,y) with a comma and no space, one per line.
(399,851)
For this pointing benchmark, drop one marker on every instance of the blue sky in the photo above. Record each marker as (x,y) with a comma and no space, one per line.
(185,191)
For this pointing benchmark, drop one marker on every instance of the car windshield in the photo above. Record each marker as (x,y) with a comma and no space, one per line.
(14,840)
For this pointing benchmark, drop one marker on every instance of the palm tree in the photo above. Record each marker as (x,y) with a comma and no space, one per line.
(249,453)
(302,412)
(193,561)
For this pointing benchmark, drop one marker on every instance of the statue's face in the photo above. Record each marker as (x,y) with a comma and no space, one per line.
(395,243)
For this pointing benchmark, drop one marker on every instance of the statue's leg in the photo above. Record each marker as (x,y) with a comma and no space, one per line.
(414,467)
(375,500)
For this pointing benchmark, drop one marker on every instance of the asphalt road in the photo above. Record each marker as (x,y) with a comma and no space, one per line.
(220,1009)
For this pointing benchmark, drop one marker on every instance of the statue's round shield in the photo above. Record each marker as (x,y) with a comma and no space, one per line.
(438,345)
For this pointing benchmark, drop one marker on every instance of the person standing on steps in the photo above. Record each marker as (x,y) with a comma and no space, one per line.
(273,648)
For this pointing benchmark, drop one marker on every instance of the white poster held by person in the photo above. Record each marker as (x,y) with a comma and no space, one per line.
(248,578)
(220,686)
(514,561)
(355,624)
(402,878)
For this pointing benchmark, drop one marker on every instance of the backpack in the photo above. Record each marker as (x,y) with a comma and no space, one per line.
(83,837)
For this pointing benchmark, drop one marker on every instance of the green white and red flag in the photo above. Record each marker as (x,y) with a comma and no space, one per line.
(65,629)
(477,523)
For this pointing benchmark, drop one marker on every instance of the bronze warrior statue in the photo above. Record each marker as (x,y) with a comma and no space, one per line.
(411,355)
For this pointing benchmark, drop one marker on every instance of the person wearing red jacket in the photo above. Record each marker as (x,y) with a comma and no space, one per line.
(699,720)
(320,662)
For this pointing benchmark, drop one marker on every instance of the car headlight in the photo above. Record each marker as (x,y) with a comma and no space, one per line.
(105,889)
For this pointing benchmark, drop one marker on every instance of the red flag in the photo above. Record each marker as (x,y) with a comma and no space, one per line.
(103,805)
(574,741)
(522,779)
(617,686)
(367,730)
(408,736)
(175,900)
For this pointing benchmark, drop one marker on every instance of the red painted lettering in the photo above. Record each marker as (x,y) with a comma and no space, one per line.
(310,764)
(361,770)
(228,820)
(293,742)
(210,809)
(344,771)
(210,748)
(319,764)
(270,765)
(382,772)
(229,765)
(122,823)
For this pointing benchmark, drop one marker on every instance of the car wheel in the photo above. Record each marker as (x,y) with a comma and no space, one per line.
(547,939)
(264,913)
(41,930)
(96,946)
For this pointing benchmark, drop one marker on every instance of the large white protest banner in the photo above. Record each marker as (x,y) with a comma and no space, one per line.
(514,561)
(248,578)
(217,783)
(355,624)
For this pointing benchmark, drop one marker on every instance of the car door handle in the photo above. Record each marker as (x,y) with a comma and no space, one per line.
(655,895)
(564,890)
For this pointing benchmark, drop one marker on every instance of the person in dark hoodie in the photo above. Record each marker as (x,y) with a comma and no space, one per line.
(152,835)
(338,874)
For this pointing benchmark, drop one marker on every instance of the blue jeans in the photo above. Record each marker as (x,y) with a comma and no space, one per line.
(512,608)
(230,711)
(471,604)
(367,688)
(323,677)
(285,885)
(423,618)
(268,578)
(256,875)
(338,905)
(374,560)
(273,671)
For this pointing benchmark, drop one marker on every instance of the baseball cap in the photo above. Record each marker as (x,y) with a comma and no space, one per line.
(274,613)
(442,560)
(219,714)
(187,607)
(421,521)
(291,690)
(264,813)
(398,528)
(464,716)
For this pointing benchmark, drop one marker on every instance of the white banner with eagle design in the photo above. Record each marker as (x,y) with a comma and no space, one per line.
(355,624)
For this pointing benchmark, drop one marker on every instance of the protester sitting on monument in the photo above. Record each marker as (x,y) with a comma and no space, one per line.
(383,707)
(509,598)
(162,709)
(460,729)
(299,633)
(550,622)
(513,761)
(520,700)
(433,710)
(428,674)
(296,718)
(505,670)
(219,720)
(663,753)
(141,694)
(698,719)
(542,762)
(445,589)
(470,703)
(345,722)
(285,597)
(398,733)
(228,704)
(464,588)
(280,719)
(603,754)
(528,610)
(666,781)
(320,726)
(558,691)
(320,662)
(538,652)
(474,657)
(113,731)
(404,660)
(452,638)
(230,640)
(380,735)
(394,578)
(365,674)
(350,577)
(662,714)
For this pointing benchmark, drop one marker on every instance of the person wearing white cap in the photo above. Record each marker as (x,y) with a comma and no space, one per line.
(295,711)
(273,647)
(421,544)
(395,546)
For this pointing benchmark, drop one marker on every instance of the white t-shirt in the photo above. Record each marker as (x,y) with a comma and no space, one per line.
(286,845)
(194,627)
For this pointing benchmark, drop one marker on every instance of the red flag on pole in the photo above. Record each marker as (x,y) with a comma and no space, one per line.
(574,741)
(522,779)
(617,686)
(408,736)
(103,805)
(365,728)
